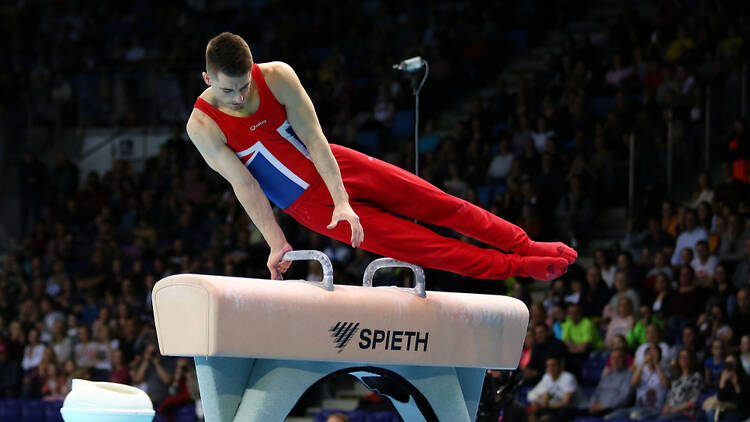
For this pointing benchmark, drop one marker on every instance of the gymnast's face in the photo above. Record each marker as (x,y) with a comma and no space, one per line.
(230,91)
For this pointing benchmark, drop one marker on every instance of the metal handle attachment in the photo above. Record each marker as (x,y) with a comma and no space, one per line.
(309,255)
(377,264)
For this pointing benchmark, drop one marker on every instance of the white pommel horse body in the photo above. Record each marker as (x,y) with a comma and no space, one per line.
(259,344)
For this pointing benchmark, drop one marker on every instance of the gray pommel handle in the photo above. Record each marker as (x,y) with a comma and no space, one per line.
(311,255)
(419,283)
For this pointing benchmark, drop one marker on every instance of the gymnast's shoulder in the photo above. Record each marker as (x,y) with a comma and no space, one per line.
(275,71)
(280,78)
(201,128)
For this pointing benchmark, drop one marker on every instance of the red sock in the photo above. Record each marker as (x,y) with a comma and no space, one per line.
(552,249)
(542,267)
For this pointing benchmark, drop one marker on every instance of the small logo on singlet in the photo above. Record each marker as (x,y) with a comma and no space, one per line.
(255,126)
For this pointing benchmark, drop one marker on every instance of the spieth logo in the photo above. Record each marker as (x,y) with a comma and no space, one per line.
(255,126)
(343,332)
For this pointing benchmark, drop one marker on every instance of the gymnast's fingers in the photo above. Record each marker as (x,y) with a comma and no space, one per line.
(274,272)
(334,222)
(284,266)
(358,233)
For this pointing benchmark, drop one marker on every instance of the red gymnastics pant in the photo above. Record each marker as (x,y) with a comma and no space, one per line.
(378,190)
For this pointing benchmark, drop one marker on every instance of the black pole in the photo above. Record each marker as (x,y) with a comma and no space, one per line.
(416,90)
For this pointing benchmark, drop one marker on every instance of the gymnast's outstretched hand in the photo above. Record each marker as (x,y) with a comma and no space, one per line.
(275,264)
(345,212)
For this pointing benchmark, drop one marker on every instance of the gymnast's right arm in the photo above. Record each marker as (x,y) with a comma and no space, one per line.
(210,141)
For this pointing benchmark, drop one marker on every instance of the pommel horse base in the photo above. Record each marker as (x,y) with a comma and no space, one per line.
(259,344)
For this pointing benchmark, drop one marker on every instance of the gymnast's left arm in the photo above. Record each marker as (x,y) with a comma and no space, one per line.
(300,111)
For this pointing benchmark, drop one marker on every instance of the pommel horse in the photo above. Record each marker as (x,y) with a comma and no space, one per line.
(260,344)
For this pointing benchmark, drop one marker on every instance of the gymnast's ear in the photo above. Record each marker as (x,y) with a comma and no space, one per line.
(206,78)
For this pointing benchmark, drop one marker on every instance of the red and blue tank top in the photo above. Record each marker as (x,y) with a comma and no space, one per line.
(266,143)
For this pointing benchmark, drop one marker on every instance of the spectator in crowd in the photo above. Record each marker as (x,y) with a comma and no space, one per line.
(16,341)
(545,345)
(105,346)
(540,135)
(33,352)
(740,322)
(556,396)
(53,387)
(86,350)
(69,371)
(661,266)
(690,236)
(60,341)
(705,217)
(618,342)
(154,373)
(574,210)
(691,341)
(614,389)
(732,242)
(651,383)
(10,374)
(625,265)
(622,322)
(742,272)
(722,289)
(705,192)
(713,325)
(50,315)
(596,295)
(669,220)
(537,314)
(637,335)
(745,353)
(704,264)
(685,302)
(179,390)
(528,345)
(608,270)
(652,240)
(556,319)
(686,257)
(662,296)
(682,397)
(120,371)
(555,295)
(576,292)
(622,290)
(714,364)
(580,336)
(500,164)
(34,380)
(733,399)
(653,338)
(717,230)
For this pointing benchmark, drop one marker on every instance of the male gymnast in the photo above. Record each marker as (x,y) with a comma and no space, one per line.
(256,126)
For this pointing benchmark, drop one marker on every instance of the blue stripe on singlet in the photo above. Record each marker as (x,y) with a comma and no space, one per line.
(280,184)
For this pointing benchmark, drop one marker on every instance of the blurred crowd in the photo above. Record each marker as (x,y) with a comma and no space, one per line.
(664,314)
(112,63)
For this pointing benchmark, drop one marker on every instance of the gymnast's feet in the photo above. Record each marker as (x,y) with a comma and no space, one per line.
(552,249)
(542,267)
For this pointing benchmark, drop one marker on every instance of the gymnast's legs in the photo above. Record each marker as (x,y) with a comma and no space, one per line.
(389,235)
(377,190)
(396,190)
